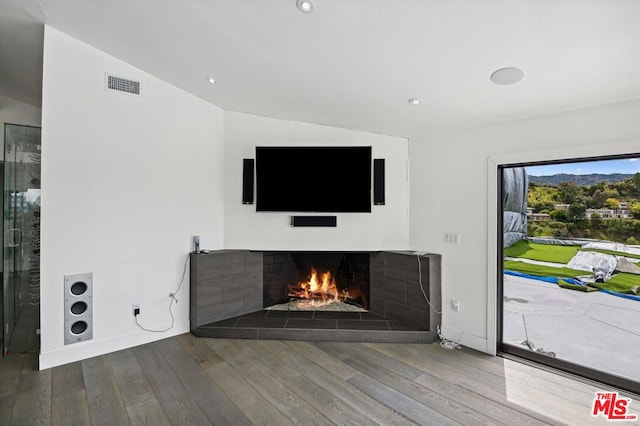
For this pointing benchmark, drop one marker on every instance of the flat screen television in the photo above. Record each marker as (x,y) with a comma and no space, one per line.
(313,179)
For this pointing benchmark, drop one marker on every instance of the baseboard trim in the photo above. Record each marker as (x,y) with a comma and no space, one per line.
(91,348)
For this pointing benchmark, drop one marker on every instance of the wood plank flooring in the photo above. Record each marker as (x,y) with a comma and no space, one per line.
(187,380)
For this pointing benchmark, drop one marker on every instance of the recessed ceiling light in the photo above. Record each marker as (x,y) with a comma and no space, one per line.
(211,80)
(306,6)
(506,76)
(415,101)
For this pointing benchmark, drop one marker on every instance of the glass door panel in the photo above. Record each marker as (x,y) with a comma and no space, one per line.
(21,240)
(569,282)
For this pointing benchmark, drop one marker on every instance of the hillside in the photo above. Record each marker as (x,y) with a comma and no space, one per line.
(575,220)
(580,180)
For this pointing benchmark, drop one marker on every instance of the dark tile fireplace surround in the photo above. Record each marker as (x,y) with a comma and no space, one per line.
(231,288)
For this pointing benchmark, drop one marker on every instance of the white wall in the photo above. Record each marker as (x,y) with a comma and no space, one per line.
(386,227)
(126,183)
(454,190)
(16,112)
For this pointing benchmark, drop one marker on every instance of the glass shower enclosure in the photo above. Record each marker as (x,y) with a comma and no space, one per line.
(21,240)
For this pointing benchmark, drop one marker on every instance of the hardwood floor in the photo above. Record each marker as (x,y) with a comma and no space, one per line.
(200,381)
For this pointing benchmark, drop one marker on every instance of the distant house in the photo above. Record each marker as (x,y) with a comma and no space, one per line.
(564,207)
(607,214)
(603,213)
(624,214)
(538,217)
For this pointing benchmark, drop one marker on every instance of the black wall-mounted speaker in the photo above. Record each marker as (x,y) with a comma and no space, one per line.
(325,221)
(247,181)
(378,182)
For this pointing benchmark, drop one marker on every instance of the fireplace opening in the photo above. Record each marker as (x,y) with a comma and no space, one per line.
(316,281)
(234,294)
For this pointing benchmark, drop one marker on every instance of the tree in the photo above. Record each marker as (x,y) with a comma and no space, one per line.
(597,199)
(596,221)
(612,203)
(616,229)
(559,215)
(611,193)
(576,211)
(631,241)
(624,188)
(635,180)
(600,186)
(542,197)
(561,232)
(539,205)
(569,192)
(635,209)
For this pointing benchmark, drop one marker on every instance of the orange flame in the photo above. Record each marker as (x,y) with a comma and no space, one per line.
(318,291)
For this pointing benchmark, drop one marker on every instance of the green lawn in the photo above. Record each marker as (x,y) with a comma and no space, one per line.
(576,287)
(621,282)
(542,252)
(542,270)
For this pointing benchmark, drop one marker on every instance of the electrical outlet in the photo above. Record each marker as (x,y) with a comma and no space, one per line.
(136,309)
(455,305)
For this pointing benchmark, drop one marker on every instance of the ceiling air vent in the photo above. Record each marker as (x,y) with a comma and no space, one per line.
(119,84)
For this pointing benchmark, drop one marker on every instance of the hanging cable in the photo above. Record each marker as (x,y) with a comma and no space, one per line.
(173,299)
(444,342)
(422,286)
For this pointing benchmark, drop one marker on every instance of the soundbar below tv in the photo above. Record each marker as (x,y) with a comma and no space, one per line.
(313,179)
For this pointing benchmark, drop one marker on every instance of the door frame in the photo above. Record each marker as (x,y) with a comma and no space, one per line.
(495,273)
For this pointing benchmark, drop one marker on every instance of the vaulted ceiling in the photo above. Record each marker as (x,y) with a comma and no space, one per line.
(351,63)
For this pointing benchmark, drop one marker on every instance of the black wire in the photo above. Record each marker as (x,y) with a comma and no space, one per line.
(173,298)
(422,286)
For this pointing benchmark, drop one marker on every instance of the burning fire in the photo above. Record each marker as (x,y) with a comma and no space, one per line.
(318,291)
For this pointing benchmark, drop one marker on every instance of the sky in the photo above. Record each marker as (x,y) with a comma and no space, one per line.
(627,165)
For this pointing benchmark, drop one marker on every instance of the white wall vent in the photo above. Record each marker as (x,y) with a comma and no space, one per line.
(125,85)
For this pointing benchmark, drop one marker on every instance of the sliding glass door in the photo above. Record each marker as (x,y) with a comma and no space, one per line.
(569,280)
(21,240)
